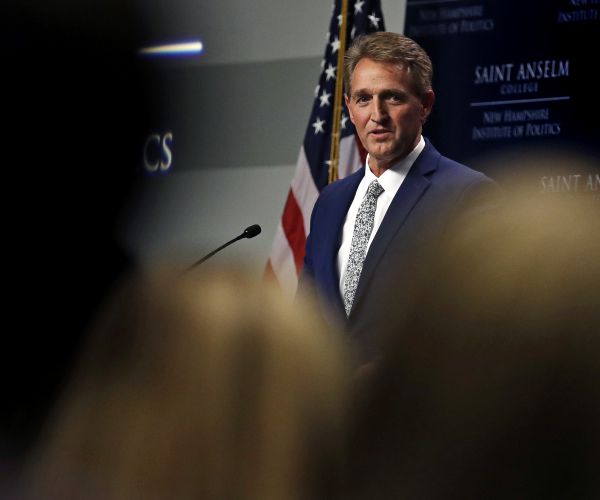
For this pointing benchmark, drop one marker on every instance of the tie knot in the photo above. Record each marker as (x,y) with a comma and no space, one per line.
(374,189)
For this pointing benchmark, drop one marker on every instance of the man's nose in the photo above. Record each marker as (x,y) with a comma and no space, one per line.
(379,110)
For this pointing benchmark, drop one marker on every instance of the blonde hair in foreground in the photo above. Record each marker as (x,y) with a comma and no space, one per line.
(211,387)
(491,385)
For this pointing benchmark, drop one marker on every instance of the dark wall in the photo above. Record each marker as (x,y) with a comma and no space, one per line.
(73,117)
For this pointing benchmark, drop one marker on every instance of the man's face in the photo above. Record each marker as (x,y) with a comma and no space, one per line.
(388,115)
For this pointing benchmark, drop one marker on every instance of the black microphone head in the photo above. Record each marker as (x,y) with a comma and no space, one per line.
(252,231)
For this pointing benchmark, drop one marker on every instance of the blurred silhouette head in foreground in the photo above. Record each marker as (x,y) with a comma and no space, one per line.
(203,386)
(490,388)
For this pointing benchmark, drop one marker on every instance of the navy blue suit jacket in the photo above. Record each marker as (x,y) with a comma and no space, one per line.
(435,192)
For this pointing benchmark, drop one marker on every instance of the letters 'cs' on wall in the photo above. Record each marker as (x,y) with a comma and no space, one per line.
(158,153)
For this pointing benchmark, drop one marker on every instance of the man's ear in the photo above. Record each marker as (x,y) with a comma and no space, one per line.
(427,104)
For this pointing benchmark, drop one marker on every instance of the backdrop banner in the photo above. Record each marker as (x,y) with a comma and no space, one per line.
(515,77)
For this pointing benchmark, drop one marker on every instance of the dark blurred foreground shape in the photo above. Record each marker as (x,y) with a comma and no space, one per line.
(74,110)
(206,386)
(490,387)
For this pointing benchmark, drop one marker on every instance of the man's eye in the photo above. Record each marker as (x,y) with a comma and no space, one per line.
(362,99)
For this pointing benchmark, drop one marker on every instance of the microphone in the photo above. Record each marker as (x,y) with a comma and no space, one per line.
(249,232)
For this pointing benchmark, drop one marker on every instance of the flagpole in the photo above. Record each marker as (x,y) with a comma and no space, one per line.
(337,103)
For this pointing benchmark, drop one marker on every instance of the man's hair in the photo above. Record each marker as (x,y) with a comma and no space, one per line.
(384,46)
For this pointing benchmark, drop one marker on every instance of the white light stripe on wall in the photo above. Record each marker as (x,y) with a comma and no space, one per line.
(185,48)
(520,101)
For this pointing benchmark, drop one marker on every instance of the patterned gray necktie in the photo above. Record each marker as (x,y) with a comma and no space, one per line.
(360,237)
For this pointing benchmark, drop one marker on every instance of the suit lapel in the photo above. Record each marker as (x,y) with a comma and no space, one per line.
(411,190)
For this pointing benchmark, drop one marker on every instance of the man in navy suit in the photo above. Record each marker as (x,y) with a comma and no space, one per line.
(389,97)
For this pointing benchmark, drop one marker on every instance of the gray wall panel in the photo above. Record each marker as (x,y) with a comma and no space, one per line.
(235,31)
(236,115)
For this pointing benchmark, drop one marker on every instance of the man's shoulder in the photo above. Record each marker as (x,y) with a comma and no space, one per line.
(465,188)
(456,172)
(457,184)
(450,168)
(349,182)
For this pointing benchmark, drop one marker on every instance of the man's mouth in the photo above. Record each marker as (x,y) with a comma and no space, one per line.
(380,132)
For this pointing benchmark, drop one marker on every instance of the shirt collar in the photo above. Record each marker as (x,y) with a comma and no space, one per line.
(392,178)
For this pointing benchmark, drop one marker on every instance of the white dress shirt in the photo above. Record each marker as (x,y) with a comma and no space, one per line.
(390,181)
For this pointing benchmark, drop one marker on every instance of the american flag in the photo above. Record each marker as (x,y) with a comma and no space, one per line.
(312,169)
